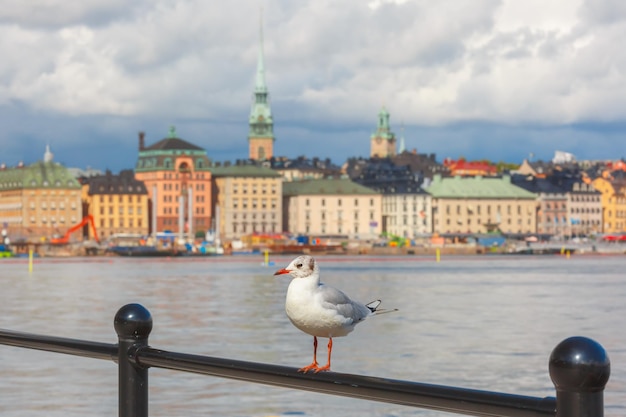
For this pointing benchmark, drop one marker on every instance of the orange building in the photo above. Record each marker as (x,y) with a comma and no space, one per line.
(178,180)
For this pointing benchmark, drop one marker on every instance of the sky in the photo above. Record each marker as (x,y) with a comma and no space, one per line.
(481,79)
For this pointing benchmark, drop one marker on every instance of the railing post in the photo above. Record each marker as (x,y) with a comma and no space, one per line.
(579,368)
(133,324)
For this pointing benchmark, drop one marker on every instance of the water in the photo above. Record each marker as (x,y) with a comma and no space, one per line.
(474,322)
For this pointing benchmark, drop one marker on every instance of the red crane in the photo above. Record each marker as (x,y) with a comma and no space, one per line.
(84,221)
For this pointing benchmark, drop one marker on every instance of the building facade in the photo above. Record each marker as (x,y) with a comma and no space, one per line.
(117,203)
(383,141)
(332,207)
(613,204)
(476,205)
(552,205)
(178,181)
(261,124)
(39,201)
(247,199)
(407,214)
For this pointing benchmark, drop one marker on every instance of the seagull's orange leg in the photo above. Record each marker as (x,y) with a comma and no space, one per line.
(313,366)
(330,350)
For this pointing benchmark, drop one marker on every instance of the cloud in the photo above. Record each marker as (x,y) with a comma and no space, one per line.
(116,67)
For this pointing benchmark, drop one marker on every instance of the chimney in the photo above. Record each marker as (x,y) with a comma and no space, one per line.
(142,144)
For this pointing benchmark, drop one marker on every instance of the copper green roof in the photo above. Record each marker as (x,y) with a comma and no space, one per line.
(41,174)
(476,187)
(341,186)
(243,171)
(162,155)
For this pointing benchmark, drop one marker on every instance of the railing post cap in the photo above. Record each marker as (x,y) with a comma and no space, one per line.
(579,364)
(133,321)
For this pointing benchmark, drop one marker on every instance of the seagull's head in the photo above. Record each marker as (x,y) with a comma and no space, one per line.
(302,267)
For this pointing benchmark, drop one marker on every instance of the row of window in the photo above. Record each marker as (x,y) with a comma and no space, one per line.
(120,198)
(172,198)
(479,221)
(53,205)
(596,210)
(244,216)
(121,223)
(393,221)
(579,198)
(52,220)
(339,201)
(340,229)
(130,210)
(175,186)
(253,203)
(244,189)
(479,209)
(244,228)
(392,207)
(307,215)
(199,222)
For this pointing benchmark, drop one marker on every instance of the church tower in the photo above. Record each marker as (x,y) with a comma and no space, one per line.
(383,141)
(261,132)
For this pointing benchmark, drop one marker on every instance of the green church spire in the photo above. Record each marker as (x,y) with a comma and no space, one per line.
(261,122)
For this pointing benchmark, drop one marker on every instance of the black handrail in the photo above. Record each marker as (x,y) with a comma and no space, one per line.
(579,368)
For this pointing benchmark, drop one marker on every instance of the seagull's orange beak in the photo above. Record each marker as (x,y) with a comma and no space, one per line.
(282,271)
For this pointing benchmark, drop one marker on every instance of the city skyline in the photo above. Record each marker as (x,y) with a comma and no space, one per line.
(492,80)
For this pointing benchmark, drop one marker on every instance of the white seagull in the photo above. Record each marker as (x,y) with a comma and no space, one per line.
(321,310)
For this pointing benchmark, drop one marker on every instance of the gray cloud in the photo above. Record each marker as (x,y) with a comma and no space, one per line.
(106,69)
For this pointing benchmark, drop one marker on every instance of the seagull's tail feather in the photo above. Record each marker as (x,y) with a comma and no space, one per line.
(373,307)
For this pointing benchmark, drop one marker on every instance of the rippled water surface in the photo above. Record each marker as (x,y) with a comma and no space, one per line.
(474,322)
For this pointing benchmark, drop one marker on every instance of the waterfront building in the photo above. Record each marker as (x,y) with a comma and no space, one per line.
(383,140)
(613,189)
(584,202)
(475,205)
(332,207)
(261,124)
(178,180)
(406,207)
(552,210)
(118,204)
(39,201)
(247,199)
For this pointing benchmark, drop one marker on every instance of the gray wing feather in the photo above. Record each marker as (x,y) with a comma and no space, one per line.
(335,299)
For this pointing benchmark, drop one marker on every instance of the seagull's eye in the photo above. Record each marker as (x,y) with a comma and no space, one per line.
(299,266)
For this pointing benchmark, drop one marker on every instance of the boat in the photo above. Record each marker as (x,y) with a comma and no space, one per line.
(145,251)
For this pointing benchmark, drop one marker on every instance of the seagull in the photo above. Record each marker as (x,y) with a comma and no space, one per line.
(321,310)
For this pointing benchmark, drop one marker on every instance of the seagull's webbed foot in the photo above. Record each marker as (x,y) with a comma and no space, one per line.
(323,368)
(312,367)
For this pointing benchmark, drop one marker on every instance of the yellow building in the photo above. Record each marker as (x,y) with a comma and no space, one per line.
(475,205)
(39,201)
(117,203)
(613,204)
(247,199)
(332,207)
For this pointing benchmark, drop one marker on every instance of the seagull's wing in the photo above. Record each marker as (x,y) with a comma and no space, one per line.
(334,299)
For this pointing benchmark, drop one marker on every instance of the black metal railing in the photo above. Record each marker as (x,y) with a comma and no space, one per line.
(579,368)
